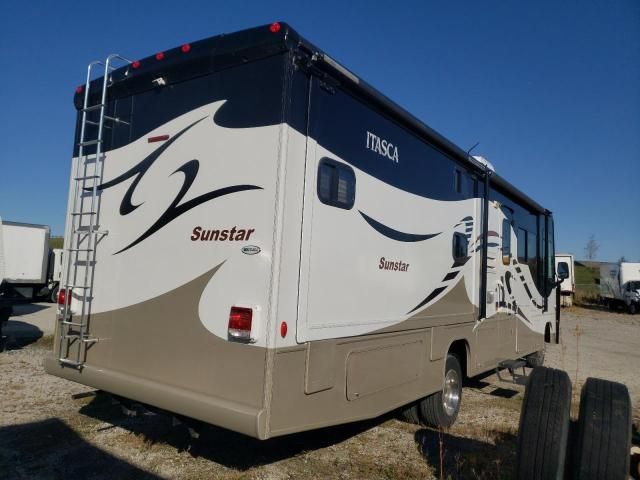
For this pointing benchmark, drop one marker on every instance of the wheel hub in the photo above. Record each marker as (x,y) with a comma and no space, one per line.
(451,392)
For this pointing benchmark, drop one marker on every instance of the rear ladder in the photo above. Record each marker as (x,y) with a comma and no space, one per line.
(83,224)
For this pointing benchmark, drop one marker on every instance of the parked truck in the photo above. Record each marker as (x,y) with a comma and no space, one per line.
(564,262)
(620,285)
(334,258)
(32,270)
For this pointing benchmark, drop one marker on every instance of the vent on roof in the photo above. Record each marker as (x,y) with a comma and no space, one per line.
(484,162)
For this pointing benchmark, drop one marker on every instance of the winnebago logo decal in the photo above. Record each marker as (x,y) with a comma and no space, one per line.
(190,172)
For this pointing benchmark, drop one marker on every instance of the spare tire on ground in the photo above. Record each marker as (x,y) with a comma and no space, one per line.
(544,425)
(603,439)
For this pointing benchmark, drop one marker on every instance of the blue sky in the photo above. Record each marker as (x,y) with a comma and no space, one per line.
(551,90)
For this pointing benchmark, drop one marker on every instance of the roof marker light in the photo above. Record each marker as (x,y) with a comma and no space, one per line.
(274,27)
(160,56)
(135,64)
(185,48)
(80,89)
(158,138)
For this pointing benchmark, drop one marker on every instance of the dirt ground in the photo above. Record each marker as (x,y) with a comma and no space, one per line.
(46,433)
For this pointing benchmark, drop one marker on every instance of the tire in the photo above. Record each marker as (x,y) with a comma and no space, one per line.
(633,308)
(603,438)
(535,359)
(544,425)
(440,410)
(53,295)
(410,414)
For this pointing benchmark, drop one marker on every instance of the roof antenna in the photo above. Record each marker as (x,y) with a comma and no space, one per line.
(474,146)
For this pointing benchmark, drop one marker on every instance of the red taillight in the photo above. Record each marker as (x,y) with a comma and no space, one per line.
(160,56)
(283,329)
(185,48)
(240,323)
(63,298)
(79,89)
(274,27)
(135,64)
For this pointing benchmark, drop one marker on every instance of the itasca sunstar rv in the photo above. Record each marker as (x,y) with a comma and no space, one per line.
(259,239)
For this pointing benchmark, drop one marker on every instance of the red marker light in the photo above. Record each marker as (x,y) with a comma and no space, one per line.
(185,48)
(135,64)
(274,27)
(160,56)
(159,138)
(283,329)
(80,89)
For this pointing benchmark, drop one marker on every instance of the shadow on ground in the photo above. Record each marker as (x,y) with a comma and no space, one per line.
(17,334)
(50,449)
(20,309)
(459,457)
(227,448)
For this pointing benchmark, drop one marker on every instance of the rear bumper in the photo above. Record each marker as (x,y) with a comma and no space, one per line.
(223,413)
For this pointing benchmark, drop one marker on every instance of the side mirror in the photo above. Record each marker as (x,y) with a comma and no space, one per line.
(563,270)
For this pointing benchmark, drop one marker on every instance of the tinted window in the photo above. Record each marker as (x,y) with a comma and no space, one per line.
(460,246)
(336,184)
(522,245)
(506,238)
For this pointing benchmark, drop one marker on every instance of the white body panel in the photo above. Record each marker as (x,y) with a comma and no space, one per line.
(616,281)
(568,285)
(26,252)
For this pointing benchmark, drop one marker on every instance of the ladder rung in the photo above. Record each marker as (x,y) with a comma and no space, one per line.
(88,177)
(89,143)
(77,286)
(69,362)
(75,324)
(91,122)
(86,229)
(115,119)
(84,213)
(79,249)
(93,107)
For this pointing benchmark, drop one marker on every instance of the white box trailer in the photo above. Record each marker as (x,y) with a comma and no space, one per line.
(264,242)
(26,257)
(568,285)
(620,285)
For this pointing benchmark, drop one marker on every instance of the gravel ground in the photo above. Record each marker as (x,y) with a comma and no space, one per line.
(45,433)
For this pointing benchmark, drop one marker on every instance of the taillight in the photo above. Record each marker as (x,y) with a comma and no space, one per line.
(63,297)
(240,319)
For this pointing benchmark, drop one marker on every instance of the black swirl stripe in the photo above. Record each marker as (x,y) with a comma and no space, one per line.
(395,234)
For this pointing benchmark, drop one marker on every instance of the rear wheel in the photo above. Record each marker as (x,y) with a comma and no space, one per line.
(633,308)
(544,425)
(410,413)
(441,409)
(53,295)
(603,438)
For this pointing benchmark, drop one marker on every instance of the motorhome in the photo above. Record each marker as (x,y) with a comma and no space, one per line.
(620,285)
(263,241)
(565,262)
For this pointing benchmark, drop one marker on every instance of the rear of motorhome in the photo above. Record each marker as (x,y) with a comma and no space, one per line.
(620,285)
(565,262)
(258,239)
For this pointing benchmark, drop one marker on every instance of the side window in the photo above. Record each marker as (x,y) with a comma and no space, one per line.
(522,245)
(532,255)
(460,246)
(506,241)
(457,180)
(336,184)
